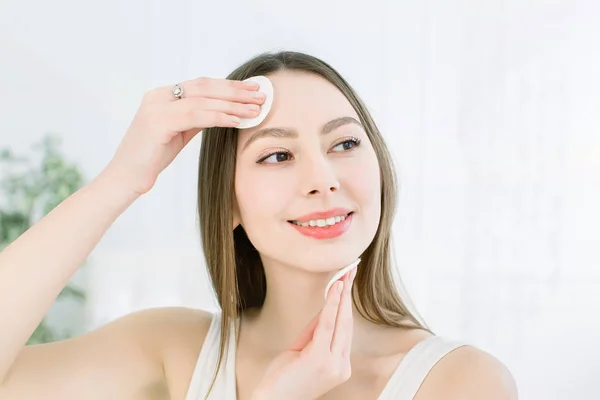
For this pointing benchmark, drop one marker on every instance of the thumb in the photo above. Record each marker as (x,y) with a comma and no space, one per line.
(306,336)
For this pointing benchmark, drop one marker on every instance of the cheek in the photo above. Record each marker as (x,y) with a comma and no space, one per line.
(365,181)
(263,200)
(367,192)
(261,196)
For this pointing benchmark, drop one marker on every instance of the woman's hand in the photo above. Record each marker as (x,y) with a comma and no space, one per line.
(163,125)
(319,360)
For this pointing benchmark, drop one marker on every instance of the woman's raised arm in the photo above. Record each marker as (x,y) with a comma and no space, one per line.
(115,360)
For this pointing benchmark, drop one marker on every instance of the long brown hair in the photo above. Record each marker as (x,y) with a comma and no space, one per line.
(234,264)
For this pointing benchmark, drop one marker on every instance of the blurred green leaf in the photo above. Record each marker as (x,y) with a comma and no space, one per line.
(42,334)
(72,291)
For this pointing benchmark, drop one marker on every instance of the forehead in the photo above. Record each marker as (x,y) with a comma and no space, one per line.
(304,101)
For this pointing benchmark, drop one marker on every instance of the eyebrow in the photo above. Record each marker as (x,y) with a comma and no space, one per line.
(293,134)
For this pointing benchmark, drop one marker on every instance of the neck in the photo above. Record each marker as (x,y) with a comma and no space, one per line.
(294,297)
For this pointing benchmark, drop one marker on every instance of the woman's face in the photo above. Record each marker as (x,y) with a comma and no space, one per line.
(283,177)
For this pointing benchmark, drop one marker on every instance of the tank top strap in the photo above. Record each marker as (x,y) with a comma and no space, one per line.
(225,384)
(415,366)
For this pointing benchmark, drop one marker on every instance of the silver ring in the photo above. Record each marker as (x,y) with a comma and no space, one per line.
(177,91)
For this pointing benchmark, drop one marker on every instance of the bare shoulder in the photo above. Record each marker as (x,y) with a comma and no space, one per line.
(182,333)
(169,321)
(174,335)
(164,330)
(469,373)
(134,356)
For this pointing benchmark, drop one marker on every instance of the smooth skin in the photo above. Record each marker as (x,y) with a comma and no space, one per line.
(151,354)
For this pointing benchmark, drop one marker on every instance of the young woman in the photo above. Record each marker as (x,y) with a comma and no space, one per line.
(317,155)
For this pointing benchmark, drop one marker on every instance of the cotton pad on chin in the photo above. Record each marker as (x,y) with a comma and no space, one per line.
(267,88)
(339,274)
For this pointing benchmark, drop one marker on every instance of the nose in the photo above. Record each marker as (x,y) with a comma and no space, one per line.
(319,177)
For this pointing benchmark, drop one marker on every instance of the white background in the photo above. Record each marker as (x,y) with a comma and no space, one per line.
(489,107)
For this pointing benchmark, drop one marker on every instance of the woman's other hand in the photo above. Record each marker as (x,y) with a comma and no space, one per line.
(319,359)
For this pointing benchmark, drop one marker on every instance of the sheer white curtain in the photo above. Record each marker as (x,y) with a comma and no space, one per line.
(489,108)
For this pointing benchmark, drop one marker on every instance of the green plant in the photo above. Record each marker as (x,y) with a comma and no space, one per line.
(28,191)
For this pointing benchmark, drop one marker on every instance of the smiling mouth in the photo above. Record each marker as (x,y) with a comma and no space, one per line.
(322,223)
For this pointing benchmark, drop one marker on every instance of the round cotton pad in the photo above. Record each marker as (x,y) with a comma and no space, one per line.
(339,274)
(267,88)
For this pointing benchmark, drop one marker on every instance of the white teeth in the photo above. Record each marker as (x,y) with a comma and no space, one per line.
(322,222)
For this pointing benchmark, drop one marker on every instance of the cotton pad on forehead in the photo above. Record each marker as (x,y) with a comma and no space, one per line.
(266,87)
(339,274)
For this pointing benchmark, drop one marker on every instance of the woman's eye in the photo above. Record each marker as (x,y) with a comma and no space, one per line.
(349,144)
(274,157)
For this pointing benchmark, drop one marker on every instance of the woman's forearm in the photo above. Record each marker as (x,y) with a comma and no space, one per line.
(37,266)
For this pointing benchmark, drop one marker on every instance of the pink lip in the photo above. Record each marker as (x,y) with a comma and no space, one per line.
(334,212)
(328,232)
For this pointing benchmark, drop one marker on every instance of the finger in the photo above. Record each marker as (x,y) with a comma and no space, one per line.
(306,336)
(326,326)
(214,88)
(198,120)
(225,106)
(181,119)
(204,113)
(344,323)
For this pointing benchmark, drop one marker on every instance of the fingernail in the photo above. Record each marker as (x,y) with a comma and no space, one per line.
(340,286)
(235,120)
(252,85)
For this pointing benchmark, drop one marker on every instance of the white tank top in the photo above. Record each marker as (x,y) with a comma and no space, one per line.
(402,385)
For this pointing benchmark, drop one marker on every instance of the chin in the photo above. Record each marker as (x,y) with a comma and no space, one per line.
(317,262)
